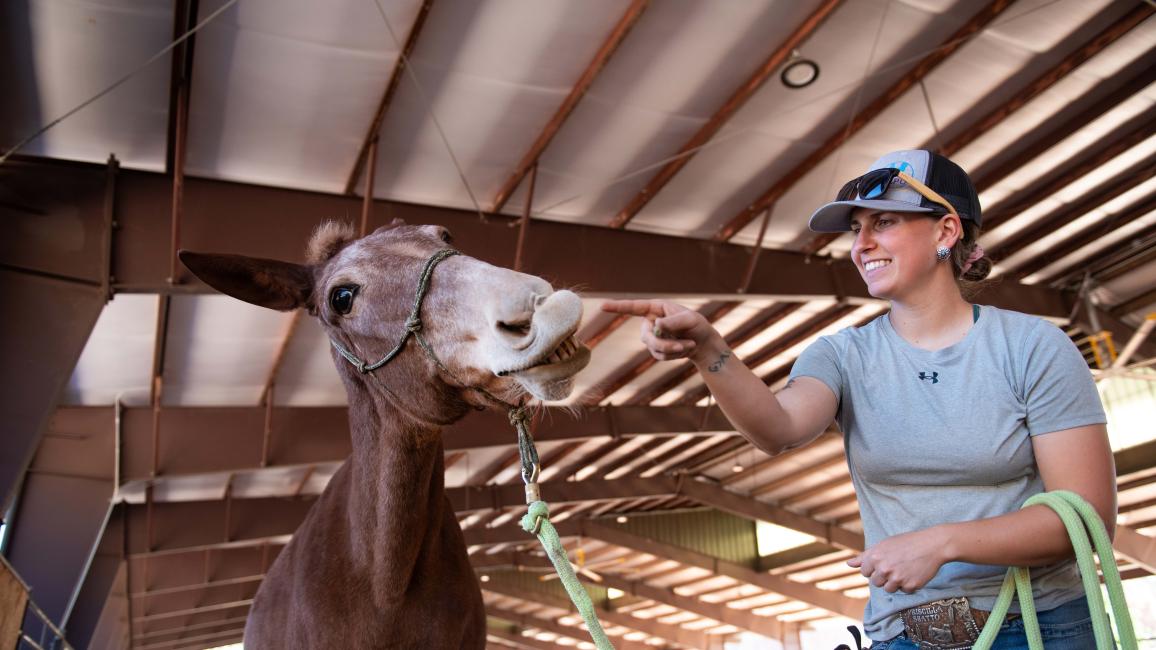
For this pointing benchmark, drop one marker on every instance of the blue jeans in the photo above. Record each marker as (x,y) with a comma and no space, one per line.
(1067,627)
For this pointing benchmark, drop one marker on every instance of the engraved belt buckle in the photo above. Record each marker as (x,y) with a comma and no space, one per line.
(942,625)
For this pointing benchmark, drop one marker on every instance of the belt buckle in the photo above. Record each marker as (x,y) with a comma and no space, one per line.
(942,625)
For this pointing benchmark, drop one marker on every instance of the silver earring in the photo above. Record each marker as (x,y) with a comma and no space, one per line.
(942,253)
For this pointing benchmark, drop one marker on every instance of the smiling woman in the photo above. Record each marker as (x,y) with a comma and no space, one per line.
(953,415)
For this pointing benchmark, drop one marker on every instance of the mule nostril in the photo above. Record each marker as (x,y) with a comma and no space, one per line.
(516,328)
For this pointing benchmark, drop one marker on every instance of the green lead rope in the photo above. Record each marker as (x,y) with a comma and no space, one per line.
(1080,519)
(536,521)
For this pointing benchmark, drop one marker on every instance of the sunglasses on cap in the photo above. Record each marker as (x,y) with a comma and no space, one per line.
(875,183)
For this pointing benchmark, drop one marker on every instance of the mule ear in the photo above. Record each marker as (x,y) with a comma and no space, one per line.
(266,283)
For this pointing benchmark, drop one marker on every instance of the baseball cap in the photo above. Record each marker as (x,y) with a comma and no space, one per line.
(931,169)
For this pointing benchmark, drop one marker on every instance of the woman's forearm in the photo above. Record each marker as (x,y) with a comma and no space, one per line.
(751,407)
(1034,536)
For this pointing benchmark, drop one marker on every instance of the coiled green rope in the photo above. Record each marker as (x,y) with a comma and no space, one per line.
(1081,520)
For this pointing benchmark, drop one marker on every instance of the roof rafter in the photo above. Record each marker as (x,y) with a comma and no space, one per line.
(797,335)
(306,436)
(1096,231)
(1102,98)
(768,198)
(561,252)
(671,633)
(526,621)
(831,601)
(732,105)
(601,58)
(387,96)
(968,133)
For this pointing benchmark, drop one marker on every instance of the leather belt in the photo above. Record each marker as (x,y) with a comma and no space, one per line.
(949,624)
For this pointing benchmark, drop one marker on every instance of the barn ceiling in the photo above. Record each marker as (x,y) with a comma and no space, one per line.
(648,148)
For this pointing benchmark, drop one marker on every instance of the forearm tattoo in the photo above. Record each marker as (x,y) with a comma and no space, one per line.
(717,365)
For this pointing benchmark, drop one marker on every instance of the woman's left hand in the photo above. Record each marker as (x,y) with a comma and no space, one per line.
(905,562)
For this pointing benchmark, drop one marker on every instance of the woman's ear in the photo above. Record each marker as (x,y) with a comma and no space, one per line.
(950,230)
(265,283)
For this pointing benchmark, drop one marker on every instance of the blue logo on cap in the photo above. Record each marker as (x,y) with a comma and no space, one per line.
(904,167)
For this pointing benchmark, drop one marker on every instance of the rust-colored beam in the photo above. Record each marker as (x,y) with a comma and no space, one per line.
(1106,95)
(160,345)
(561,252)
(524,222)
(526,621)
(1126,180)
(643,361)
(279,359)
(193,526)
(669,632)
(608,467)
(782,371)
(1090,158)
(708,457)
(601,58)
(555,457)
(108,226)
(814,490)
(207,626)
(600,328)
(727,501)
(1136,302)
(181,76)
(969,133)
(371,134)
(217,440)
(598,452)
(1136,251)
(834,459)
(832,601)
(673,452)
(1093,233)
(217,638)
(800,333)
(756,324)
(367,197)
(732,105)
(937,56)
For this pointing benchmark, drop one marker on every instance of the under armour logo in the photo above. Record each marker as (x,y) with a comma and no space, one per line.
(933,377)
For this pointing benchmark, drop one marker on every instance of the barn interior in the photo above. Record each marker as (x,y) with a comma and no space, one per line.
(162,442)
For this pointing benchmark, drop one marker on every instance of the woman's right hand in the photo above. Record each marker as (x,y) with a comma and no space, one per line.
(669,330)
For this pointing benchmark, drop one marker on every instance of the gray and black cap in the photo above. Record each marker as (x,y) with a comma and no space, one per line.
(933,170)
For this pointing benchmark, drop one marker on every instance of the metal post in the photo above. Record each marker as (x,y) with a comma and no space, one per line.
(525,221)
(755,252)
(367,200)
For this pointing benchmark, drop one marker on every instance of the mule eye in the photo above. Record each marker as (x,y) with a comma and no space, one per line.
(342,299)
(447,237)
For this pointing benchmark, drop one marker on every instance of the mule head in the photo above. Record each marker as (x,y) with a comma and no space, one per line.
(491,328)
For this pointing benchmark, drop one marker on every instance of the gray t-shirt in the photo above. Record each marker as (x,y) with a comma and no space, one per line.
(944,436)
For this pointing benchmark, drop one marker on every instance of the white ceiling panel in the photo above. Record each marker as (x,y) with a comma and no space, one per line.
(308,376)
(118,358)
(491,82)
(79,48)
(284,92)
(220,350)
